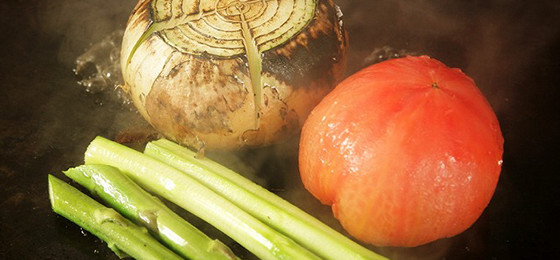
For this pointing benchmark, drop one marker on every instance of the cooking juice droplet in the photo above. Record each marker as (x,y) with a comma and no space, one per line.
(97,69)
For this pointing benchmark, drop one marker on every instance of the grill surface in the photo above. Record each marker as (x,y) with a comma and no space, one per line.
(510,48)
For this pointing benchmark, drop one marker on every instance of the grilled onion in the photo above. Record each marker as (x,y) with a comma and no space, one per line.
(225,74)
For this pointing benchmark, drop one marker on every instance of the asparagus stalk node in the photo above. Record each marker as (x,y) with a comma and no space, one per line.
(122,236)
(179,188)
(261,203)
(121,193)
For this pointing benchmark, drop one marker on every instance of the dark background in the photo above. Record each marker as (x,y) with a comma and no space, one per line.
(510,48)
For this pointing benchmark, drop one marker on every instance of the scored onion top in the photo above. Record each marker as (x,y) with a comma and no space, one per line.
(228,28)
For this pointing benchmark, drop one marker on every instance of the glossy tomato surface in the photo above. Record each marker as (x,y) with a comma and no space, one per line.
(406,151)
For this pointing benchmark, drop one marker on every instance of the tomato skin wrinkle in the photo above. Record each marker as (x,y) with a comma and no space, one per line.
(406,151)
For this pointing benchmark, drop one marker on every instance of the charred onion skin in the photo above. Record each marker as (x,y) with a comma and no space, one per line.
(255,95)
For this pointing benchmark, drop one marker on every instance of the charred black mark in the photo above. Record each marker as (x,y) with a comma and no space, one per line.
(175,70)
(306,63)
(302,60)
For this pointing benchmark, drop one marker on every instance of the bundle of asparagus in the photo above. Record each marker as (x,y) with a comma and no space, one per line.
(259,220)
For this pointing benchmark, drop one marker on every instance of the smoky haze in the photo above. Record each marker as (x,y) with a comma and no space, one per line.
(483,38)
(494,42)
(80,24)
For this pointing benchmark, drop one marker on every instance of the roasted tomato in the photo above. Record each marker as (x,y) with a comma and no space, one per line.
(406,151)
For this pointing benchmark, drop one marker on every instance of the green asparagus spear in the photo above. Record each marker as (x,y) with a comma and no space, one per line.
(172,184)
(138,205)
(261,203)
(122,236)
